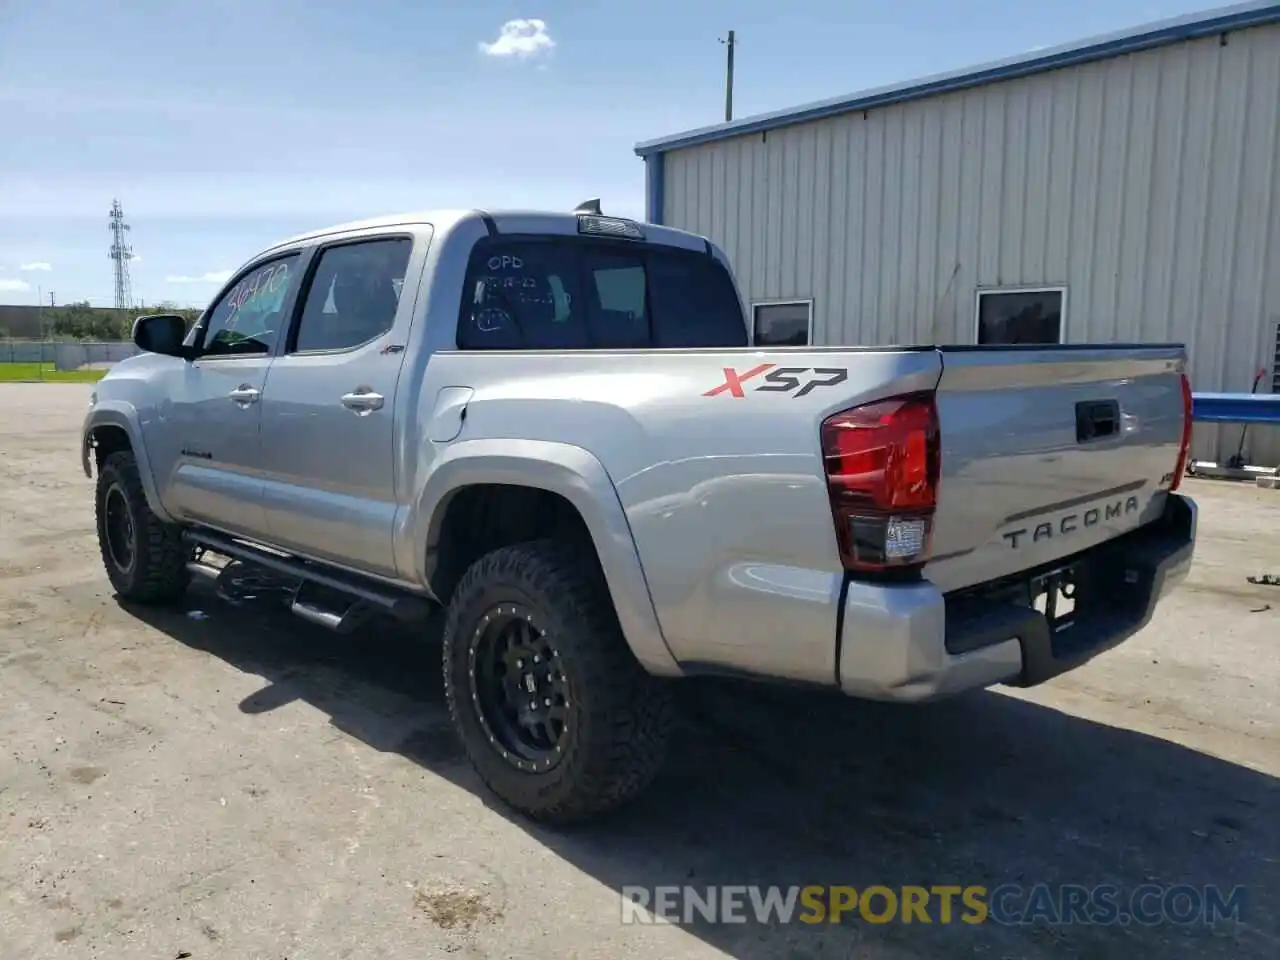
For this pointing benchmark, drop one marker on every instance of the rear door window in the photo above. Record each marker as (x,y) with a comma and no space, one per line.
(568,293)
(354,294)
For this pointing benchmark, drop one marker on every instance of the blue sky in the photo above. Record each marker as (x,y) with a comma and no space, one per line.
(224,125)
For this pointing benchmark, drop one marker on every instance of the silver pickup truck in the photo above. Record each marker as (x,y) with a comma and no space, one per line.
(554,427)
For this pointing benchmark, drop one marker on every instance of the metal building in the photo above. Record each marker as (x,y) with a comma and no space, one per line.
(1124,188)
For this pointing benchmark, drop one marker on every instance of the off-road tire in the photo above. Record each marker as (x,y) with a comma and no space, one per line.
(157,573)
(620,717)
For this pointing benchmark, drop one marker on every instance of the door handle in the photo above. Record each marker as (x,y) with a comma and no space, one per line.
(362,401)
(245,394)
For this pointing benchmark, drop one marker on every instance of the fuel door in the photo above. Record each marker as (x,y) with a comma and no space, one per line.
(450,413)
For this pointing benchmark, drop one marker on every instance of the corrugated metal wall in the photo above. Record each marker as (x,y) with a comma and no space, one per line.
(1148,184)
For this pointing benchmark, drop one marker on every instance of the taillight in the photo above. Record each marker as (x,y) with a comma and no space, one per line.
(882,461)
(1184,450)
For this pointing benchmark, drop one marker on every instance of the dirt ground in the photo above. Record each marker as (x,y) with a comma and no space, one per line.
(222,781)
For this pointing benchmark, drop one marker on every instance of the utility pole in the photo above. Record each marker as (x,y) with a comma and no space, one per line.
(728,77)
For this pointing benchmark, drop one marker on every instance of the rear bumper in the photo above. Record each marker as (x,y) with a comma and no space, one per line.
(912,643)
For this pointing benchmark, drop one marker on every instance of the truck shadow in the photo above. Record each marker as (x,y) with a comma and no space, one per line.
(771,786)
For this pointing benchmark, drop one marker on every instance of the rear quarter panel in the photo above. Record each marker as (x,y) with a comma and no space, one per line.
(723,489)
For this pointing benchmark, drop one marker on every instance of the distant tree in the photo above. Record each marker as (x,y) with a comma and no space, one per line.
(80,321)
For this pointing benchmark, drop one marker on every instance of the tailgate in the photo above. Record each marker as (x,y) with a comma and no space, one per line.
(1048,451)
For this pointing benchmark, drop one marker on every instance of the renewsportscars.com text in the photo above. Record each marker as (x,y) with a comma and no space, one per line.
(1007,904)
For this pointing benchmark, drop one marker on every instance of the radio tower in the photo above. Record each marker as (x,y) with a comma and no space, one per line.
(121,253)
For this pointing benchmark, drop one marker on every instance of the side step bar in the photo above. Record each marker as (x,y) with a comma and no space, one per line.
(356,590)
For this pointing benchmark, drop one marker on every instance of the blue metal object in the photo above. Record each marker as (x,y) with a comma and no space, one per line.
(1236,408)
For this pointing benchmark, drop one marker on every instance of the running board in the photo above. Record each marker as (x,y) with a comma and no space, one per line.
(360,593)
(339,612)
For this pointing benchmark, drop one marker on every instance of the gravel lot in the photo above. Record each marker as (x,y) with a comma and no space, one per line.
(239,784)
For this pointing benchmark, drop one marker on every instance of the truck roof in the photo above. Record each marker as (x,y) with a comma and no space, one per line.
(438,218)
(444,219)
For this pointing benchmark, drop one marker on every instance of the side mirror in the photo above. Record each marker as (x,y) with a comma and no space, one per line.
(162,333)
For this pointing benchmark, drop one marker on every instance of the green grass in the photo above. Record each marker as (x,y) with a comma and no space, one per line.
(46,372)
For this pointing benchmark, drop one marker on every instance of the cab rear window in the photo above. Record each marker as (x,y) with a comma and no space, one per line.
(572,293)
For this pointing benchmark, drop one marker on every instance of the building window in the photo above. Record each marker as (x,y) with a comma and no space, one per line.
(782,323)
(1021,315)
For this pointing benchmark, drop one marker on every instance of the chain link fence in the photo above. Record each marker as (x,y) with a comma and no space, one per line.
(44,359)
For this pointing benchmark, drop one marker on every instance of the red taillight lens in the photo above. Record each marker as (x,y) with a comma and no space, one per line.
(882,461)
(1184,450)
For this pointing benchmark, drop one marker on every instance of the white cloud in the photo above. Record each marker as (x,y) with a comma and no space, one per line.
(36,265)
(14,286)
(520,38)
(213,276)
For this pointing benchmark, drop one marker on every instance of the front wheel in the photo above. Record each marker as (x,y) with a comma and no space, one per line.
(145,558)
(554,711)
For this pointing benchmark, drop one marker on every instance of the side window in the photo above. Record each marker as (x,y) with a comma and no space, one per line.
(695,303)
(353,295)
(248,318)
(522,295)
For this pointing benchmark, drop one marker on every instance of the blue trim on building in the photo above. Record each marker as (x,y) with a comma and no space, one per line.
(1236,408)
(654,187)
(1151,35)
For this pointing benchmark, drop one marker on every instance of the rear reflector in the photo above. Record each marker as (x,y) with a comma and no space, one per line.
(883,460)
(1184,450)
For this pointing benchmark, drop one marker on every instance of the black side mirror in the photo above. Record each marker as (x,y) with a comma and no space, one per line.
(162,333)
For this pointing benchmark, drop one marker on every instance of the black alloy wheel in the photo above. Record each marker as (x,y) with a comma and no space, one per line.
(118,527)
(518,688)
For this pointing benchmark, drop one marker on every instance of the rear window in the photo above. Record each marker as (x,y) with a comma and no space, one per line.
(570,293)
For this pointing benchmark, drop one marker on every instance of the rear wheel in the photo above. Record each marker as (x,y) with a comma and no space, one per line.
(145,558)
(556,715)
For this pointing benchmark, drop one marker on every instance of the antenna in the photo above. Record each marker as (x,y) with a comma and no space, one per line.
(121,253)
(591,207)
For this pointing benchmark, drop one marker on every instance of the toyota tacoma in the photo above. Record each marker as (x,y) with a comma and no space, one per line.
(553,428)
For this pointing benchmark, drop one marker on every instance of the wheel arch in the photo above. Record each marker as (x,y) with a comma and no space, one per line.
(112,426)
(551,477)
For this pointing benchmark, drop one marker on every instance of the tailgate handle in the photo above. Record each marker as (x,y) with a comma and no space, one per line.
(1097,420)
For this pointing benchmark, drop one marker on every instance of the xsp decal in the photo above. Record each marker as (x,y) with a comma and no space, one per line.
(798,381)
(733,380)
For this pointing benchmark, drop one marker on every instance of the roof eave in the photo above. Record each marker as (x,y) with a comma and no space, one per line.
(1190,27)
